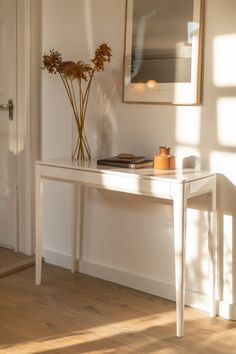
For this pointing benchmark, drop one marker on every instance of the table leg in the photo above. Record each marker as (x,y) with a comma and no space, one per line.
(179,195)
(80,219)
(77,224)
(212,249)
(74,233)
(39,205)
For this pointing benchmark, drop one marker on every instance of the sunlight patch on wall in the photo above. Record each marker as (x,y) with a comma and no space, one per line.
(224,163)
(226,121)
(188,125)
(224,59)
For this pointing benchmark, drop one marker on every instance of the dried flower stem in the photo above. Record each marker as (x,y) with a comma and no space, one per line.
(70,71)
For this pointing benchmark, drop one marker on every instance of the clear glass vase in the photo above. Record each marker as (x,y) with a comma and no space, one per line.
(81,150)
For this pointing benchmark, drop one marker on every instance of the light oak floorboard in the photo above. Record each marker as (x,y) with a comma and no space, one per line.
(75,313)
(11,262)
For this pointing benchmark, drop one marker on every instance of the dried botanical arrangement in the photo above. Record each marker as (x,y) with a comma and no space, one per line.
(81,73)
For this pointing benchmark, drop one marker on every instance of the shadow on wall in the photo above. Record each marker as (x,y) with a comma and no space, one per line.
(108,84)
(106,98)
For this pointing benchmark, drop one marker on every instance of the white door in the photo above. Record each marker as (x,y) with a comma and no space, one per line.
(8,142)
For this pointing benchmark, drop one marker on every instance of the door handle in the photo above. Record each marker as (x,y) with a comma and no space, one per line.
(8,107)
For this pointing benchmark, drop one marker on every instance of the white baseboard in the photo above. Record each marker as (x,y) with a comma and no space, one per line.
(58,259)
(139,282)
(227,310)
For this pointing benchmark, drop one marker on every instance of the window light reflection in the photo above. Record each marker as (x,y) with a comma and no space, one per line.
(188,125)
(224,59)
(226,122)
(224,162)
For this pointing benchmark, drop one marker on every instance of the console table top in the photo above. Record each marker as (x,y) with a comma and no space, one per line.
(177,175)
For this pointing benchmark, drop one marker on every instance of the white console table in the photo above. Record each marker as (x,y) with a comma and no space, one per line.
(176,185)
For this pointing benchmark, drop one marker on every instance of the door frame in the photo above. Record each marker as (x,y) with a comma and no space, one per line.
(28,47)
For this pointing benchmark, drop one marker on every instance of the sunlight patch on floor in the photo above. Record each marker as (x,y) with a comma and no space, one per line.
(94,336)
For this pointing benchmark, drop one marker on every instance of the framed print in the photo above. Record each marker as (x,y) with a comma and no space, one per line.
(163,51)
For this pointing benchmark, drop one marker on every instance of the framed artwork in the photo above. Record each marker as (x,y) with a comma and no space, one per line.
(163,51)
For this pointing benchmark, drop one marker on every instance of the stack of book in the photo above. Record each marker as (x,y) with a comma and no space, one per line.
(126,161)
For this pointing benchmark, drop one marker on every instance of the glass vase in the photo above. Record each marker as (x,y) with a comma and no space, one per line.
(81,150)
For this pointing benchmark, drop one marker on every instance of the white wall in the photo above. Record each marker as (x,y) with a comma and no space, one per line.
(129,239)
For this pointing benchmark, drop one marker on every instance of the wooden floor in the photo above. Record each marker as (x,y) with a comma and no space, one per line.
(11,262)
(75,313)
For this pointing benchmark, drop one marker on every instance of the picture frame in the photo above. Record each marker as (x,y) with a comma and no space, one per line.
(163,51)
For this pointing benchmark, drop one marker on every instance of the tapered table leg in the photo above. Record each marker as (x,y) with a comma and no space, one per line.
(77,224)
(179,195)
(212,251)
(39,204)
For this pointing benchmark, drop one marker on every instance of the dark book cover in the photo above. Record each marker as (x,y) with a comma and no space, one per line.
(144,163)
